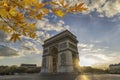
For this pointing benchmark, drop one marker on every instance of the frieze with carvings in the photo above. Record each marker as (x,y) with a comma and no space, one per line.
(72,46)
(63,45)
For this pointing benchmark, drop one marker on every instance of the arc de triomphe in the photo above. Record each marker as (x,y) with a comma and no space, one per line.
(60,53)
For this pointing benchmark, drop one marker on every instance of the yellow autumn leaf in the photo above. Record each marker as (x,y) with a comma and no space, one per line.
(39,16)
(59,12)
(80,5)
(54,3)
(45,10)
(4,13)
(66,6)
(32,26)
(32,35)
(77,8)
(17,14)
(5,29)
(27,2)
(9,30)
(82,9)
(32,13)
(62,2)
(23,25)
(72,9)
(5,3)
(19,17)
(24,32)
(40,5)
(34,1)
(13,11)
(1,27)
(15,37)
(30,2)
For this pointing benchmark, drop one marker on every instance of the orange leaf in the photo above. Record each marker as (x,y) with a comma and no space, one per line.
(12,11)
(39,5)
(4,13)
(45,10)
(54,3)
(80,5)
(32,26)
(32,35)
(62,2)
(59,12)
(39,16)
(15,37)
(1,27)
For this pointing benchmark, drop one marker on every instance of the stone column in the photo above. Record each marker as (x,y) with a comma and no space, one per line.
(47,65)
(44,65)
(67,64)
(50,62)
(69,61)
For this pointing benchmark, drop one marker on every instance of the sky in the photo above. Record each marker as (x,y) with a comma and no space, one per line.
(97,30)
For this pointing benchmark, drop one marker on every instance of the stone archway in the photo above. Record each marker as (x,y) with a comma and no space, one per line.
(54,54)
(58,53)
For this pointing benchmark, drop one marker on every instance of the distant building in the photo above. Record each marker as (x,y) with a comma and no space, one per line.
(28,65)
(114,68)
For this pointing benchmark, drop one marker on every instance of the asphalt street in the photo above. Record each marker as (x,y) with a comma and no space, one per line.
(61,77)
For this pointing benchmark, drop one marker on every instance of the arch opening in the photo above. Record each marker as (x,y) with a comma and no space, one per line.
(54,54)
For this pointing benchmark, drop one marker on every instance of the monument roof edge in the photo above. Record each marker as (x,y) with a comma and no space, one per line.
(59,34)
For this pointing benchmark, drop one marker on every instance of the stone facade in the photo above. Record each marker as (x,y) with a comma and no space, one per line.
(114,68)
(60,53)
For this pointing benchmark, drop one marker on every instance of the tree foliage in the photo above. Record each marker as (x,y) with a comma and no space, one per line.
(18,17)
(11,70)
(89,69)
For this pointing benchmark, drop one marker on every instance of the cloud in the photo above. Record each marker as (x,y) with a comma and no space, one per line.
(91,54)
(46,25)
(2,36)
(88,48)
(29,47)
(100,58)
(7,51)
(111,8)
(112,58)
(108,8)
(82,45)
(41,36)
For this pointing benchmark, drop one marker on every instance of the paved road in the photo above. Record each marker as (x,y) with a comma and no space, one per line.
(62,77)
